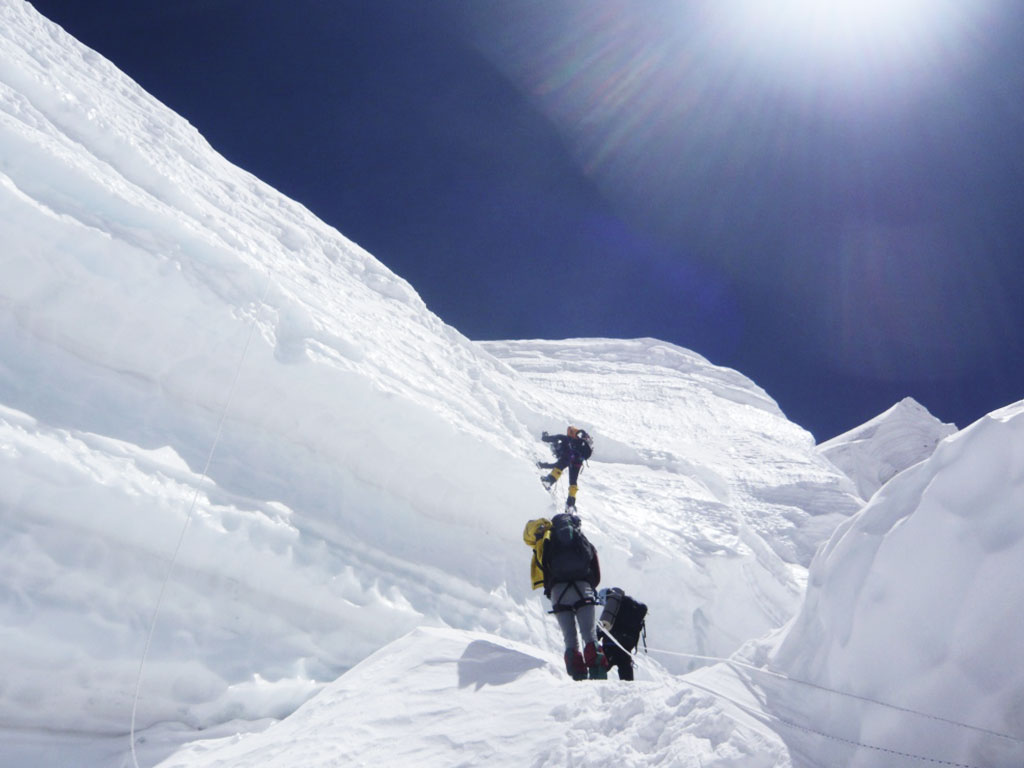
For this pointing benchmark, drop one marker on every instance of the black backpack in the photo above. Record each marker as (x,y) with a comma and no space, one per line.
(586,444)
(567,553)
(624,617)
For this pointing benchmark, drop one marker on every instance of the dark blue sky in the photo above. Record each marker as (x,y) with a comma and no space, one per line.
(836,213)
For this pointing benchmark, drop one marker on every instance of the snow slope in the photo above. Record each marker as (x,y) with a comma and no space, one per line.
(696,467)
(150,289)
(450,698)
(877,450)
(195,369)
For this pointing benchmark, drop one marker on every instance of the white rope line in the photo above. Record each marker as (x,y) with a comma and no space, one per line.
(188,517)
(896,707)
(764,717)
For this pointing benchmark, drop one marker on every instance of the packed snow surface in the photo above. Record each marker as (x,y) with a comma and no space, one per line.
(450,698)
(246,473)
(879,449)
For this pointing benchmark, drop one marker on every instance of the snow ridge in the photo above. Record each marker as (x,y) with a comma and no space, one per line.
(876,451)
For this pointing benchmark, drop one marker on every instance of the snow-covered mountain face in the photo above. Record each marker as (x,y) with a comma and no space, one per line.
(151,289)
(699,483)
(195,369)
(879,449)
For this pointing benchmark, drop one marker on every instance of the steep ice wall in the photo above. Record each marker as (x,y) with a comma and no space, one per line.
(915,603)
(156,301)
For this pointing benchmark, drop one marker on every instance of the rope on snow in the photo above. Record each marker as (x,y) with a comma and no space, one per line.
(761,715)
(896,707)
(191,510)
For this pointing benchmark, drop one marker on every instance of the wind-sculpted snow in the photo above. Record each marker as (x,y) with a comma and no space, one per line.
(916,602)
(876,451)
(194,368)
(364,447)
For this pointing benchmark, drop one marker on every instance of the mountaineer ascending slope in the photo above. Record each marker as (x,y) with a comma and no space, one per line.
(570,450)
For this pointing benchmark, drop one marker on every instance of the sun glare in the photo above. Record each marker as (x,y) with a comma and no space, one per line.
(837,20)
(845,38)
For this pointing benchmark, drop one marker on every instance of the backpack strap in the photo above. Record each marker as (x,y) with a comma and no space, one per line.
(540,567)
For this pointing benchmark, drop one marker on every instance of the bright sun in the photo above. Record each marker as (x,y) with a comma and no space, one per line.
(852,36)
(839,19)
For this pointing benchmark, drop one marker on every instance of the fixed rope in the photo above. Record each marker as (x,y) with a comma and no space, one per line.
(896,707)
(764,716)
(188,516)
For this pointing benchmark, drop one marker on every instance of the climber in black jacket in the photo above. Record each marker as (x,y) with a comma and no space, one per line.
(570,450)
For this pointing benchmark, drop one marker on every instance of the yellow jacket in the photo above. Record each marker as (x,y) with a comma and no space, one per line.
(535,534)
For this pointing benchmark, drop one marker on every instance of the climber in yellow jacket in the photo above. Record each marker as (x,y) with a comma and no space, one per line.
(565,564)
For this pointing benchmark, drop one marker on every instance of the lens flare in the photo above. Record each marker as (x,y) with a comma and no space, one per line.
(821,154)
